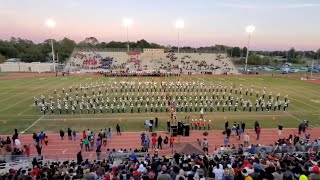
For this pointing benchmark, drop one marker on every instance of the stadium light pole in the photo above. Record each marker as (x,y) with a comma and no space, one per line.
(179,25)
(250,29)
(51,24)
(127,22)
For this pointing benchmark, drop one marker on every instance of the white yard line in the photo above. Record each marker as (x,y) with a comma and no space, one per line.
(306,103)
(32,125)
(298,119)
(59,85)
(25,110)
(21,85)
(17,94)
(28,115)
(297,108)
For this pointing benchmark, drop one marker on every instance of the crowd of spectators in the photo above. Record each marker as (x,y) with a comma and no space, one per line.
(255,162)
(178,167)
(139,74)
(170,62)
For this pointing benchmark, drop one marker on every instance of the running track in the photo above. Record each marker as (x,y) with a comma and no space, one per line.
(66,148)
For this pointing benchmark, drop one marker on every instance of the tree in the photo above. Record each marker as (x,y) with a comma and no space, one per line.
(65,48)
(2,58)
(89,42)
(102,45)
(32,54)
(236,52)
(117,44)
(291,54)
(143,44)
(8,50)
(244,52)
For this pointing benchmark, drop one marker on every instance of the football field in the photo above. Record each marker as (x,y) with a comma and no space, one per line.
(17,109)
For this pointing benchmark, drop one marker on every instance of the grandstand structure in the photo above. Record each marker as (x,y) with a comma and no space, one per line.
(149,60)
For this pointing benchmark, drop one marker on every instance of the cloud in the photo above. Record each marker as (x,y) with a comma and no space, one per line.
(305,5)
(238,4)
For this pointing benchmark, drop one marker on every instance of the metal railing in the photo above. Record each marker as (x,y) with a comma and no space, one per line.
(5,167)
(297,149)
(69,157)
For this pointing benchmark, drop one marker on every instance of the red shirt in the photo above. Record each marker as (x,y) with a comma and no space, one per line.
(27,152)
(154,140)
(171,139)
(200,123)
(35,172)
(258,131)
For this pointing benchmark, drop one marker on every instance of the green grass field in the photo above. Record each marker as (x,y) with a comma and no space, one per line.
(17,110)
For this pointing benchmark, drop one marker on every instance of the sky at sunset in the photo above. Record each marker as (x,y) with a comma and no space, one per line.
(280,24)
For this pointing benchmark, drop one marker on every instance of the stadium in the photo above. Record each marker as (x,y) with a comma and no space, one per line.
(140,110)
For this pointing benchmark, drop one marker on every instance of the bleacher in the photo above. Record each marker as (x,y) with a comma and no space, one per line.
(149,60)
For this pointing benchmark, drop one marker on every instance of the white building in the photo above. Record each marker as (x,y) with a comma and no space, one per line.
(14,65)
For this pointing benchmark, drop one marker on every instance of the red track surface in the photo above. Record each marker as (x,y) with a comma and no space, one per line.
(66,148)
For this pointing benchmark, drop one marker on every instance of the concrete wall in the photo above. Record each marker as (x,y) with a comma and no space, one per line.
(26,67)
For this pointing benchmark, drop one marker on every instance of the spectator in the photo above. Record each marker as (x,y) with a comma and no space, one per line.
(218,172)
(69,131)
(62,134)
(163,175)
(246,139)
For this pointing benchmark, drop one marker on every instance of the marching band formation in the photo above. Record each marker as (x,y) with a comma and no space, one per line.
(154,97)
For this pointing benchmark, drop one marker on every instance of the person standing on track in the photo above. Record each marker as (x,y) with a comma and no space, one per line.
(46,140)
(258,133)
(39,149)
(154,141)
(62,134)
(74,134)
(243,126)
(226,125)
(205,145)
(41,136)
(280,127)
(171,141)
(86,144)
(118,130)
(246,139)
(69,134)
(159,142)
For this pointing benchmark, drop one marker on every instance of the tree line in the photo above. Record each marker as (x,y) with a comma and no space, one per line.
(272,57)
(28,51)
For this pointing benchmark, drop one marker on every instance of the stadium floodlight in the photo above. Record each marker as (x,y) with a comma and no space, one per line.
(179,25)
(249,29)
(127,22)
(51,24)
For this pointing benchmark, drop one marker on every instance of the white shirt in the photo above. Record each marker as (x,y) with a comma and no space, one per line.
(17,142)
(218,172)
(246,137)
